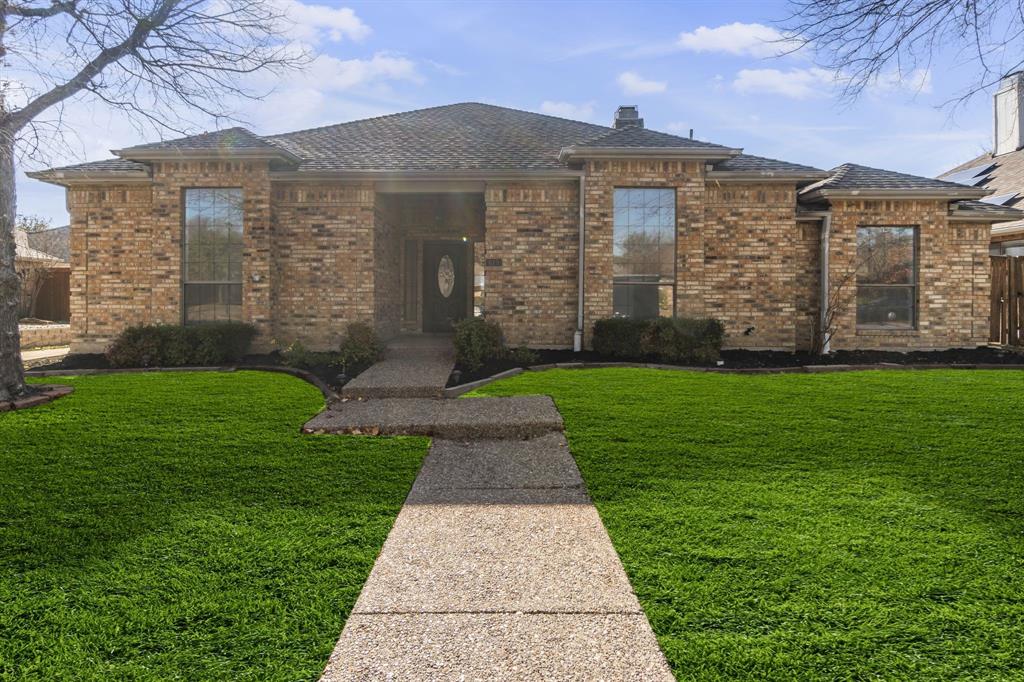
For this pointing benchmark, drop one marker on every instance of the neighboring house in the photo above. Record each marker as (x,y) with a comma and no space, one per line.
(45,274)
(1001,171)
(413,220)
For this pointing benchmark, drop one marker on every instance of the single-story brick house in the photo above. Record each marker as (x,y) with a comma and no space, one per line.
(543,224)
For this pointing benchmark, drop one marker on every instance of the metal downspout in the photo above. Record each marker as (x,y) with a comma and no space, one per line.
(826,232)
(577,338)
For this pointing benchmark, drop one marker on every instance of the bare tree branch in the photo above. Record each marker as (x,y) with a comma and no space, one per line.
(863,41)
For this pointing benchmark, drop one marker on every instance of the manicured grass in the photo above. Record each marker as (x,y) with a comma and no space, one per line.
(867,525)
(179,527)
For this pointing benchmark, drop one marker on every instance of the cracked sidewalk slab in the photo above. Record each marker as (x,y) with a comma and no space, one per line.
(466,419)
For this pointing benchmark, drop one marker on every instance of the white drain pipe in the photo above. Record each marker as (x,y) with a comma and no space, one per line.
(826,232)
(577,337)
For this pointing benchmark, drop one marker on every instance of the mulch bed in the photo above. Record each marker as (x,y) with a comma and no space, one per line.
(750,359)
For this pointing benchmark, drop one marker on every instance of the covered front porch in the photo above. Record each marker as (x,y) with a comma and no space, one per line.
(430,257)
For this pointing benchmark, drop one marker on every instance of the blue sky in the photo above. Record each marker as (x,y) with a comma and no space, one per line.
(700,65)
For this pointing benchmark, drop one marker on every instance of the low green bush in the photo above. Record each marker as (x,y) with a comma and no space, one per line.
(165,345)
(665,339)
(522,356)
(360,348)
(298,356)
(477,341)
(618,337)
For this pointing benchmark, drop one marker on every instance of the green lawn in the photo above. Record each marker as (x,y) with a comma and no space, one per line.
(867,525)
(179,527)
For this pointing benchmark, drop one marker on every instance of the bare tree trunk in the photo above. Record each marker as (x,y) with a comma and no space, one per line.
(12,378)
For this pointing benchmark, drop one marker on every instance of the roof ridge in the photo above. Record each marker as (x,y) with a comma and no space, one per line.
(436,107)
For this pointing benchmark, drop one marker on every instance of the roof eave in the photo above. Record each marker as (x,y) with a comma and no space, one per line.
(64,178)
(950,194)
(384,174)
(568,154)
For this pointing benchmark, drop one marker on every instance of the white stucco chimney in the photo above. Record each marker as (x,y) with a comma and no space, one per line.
(1009,104)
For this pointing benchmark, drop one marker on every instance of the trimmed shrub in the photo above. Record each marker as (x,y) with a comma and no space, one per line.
(675,340)
(618,337)
(522,356)
(165,345)
(477,341)
(298,356)
(360,348)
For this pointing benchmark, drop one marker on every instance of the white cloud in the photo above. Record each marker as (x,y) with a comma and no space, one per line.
(633,84)
(330,73)
(312,23)
(754,40)
(579,112)
(794,83)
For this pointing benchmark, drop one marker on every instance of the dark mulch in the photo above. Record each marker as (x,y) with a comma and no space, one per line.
(329,374)
(752,359)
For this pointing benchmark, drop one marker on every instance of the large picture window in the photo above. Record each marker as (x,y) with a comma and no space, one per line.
(644,253)
(887,277)
(213,255)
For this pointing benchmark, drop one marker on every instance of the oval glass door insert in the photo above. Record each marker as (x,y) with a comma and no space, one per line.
(446,276)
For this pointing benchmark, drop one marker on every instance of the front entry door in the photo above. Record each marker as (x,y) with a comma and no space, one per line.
(444,284)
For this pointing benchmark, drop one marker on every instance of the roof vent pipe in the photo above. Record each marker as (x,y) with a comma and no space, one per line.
(628,116)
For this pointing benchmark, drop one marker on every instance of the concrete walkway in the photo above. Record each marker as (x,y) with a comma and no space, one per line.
(45,356)
(414,366)
(498,566)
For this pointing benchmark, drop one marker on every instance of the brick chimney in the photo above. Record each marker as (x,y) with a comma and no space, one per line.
(628,116)
(1009,104)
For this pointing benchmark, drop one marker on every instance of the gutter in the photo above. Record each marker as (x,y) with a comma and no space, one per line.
(826,232)
(908,194)
(573,153)
(577,337)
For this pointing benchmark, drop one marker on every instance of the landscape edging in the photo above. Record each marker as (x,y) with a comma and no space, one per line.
(454,391)
(42,394)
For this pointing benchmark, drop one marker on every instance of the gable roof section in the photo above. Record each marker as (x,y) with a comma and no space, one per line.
(455,137)
(636,141)
(851,180)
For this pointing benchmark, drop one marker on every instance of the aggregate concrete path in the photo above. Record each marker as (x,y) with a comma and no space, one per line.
(516,417)
(414,366)
(498,568)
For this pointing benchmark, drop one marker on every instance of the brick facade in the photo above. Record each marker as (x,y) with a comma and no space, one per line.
(318,255)
(532,230)
(952,282)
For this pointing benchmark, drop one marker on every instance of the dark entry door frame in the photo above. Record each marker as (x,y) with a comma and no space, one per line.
(445,284)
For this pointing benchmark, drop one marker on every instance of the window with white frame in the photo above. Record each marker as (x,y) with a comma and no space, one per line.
(644,252)
(887,277)
(212,272)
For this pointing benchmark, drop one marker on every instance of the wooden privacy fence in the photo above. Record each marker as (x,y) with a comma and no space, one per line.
(1007,300)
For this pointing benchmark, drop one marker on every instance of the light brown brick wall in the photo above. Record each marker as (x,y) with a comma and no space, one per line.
(534,230)
(807,294)
(750,263)
(952,275)
(112,266)
(325,254)
(323,261)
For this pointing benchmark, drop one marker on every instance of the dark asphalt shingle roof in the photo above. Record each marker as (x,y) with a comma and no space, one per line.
(747,163)
(987,208)
(106,166)
(229,138)
(640,138)
(851,176)
(468,136)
